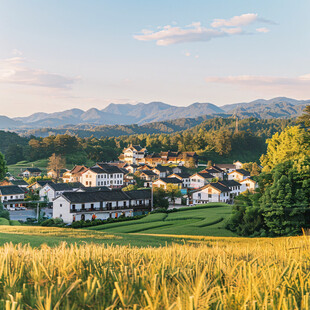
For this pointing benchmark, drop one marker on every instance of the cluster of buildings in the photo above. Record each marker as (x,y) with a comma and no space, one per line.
(93,192)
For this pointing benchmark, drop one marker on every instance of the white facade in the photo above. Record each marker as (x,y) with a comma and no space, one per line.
(4,198)
(235,175)
(186,182)
(197,181)
(210,194)
(91,179)
(133,156)
(69,212)
(238,164)
(248,184)
(49,193)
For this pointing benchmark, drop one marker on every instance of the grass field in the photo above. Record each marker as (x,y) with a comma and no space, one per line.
(205,220)
(22,165)
(188,273)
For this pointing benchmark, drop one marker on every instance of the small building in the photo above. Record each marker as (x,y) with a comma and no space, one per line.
(200,179)
(12,195)
(216,172)
(75,174)
(184,177)
(148,176)
(164,182)
(75,206)
(103,174)
(162,171)
(20,183)
(133,154)
(238,164)
(39,184)
(50,191)
(238,175)
(132,168)
(248,184)
(222,191)
(53,174)
(31,172)
(227,168)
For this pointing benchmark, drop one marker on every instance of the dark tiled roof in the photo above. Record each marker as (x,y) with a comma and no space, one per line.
(182,175)
(95,189)
(244,172)
(212,170)
(83,197)
(205,175)
(58,187)
(33,170)
(11,190)
(149,172)
(108,168)
(226,166)
(171,180)
(220,187)
(229,183)
(43,182)
(78,169)
(140,194)
(19,182)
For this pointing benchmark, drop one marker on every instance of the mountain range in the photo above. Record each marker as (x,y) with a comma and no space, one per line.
(143,113)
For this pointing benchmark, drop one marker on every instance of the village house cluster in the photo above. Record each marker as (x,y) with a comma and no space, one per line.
(86,193)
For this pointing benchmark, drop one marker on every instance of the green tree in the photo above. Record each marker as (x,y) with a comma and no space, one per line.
(3,168)
(173,192)
(292,143)
(160,198)
(305,118)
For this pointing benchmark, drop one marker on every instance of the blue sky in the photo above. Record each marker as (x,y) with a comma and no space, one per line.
(57,55)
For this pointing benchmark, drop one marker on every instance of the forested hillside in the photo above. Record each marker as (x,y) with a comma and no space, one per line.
(217,139)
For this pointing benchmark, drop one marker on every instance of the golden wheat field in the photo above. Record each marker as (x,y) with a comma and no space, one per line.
(211,273)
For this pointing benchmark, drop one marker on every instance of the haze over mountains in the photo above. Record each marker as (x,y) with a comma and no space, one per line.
(142,113)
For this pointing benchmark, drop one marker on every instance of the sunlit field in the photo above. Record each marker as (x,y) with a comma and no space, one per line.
(196,273)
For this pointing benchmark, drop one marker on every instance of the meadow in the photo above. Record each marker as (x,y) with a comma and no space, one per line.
(203,220)
(198,273)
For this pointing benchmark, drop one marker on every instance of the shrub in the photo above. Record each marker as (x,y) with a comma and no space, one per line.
(15,223)
(4,221)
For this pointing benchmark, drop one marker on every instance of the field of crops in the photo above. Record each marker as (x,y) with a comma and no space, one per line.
(202,273)
(204,220)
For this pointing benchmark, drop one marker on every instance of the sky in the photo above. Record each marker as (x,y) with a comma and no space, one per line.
(61,54)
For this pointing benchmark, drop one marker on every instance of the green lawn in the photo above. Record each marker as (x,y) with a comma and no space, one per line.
(205,220)
(22,165)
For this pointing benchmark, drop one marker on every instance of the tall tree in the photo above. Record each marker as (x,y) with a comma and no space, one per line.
(305,118)
(292,143)
(3,168)
(56,163)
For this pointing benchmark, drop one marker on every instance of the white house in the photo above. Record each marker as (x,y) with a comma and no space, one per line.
(248,184)
(39,184)
(31,172)
(238,164)
(132,168)
(75,206)
(161,171)
(11,195)
(200,179)
(212,192)
(216,172)
(103,174)
(184,177)
(74,175)
(238,175)
(222,191)
(227,168)
(50,191)
(164,182)
(133,154)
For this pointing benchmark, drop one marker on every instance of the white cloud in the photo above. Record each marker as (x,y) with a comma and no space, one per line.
(172,35)
(236,21)
(13,71)
(17,52)
(195,32)
(187,54)
(262,30)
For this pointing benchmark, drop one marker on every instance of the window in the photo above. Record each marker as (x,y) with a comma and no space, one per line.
(210,195)
(83,206)
(92,206)
(60,205)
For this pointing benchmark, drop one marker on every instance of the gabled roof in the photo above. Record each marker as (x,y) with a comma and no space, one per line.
(226,166)
(108,168)
(182,175)
(241,171)
(118,164)
(33,170)
(229,183)
(220,187)
(149,173)
(140,194)
(19,182)
(170,180)
(248,180)
(59,187)
(204,175)
(95,189)
(78,169)
(11,190)
(84,197)
(41,183)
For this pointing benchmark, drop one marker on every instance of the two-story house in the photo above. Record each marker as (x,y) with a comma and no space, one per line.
(11,195)
(133,154)
(103,174)
(50,191)
(75,206)
(238,175)
(31,172)
(200,179)
(184,177)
